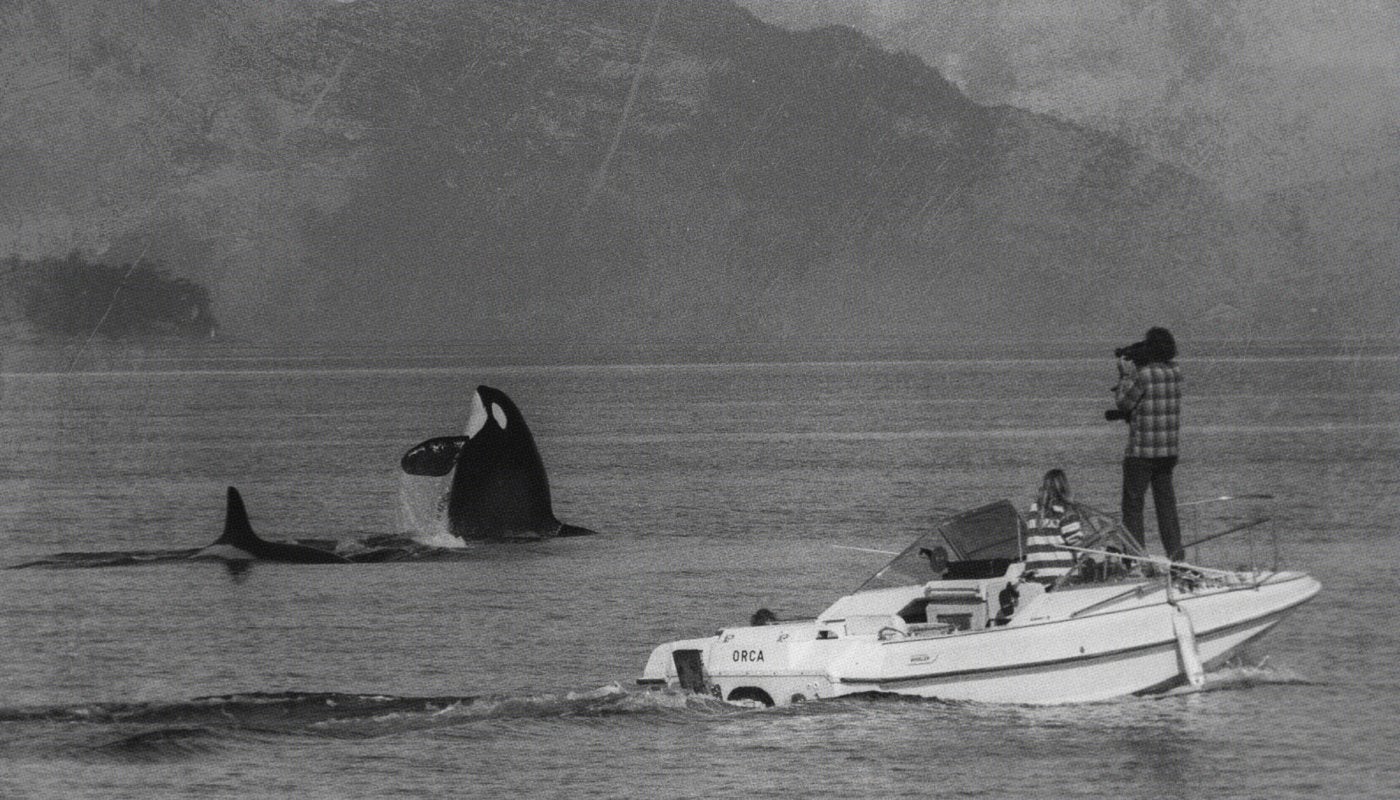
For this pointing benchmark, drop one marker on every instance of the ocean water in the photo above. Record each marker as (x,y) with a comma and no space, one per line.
(719,483)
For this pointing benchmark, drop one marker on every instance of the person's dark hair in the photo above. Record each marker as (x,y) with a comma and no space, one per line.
(1159,344)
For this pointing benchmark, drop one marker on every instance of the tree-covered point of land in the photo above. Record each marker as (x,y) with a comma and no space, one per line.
(74,297)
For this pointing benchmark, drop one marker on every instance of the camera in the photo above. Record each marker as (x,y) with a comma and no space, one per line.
(1135,352)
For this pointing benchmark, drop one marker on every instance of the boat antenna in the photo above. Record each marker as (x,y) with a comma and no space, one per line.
(1226,532)
(865,549)
(1225,499)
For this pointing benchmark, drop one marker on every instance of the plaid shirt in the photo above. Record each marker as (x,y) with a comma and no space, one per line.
(1153,396)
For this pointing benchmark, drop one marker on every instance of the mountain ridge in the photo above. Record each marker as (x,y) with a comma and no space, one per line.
(429,169)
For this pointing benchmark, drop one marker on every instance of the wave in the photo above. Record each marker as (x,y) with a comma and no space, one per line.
(1240,674)
(343,714)
(140,732)
(165,744)
(206,726)
(296,711)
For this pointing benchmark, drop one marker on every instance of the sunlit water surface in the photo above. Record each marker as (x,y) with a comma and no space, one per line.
(717,488)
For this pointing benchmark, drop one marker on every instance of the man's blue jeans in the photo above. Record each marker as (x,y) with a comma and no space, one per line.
(1138,474)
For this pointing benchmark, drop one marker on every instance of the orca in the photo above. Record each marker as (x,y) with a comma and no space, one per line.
(238,547)
(499,489)
(240,543)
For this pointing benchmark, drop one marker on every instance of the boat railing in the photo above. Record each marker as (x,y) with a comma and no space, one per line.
(1259,539)
(1178,566)
(1137,591)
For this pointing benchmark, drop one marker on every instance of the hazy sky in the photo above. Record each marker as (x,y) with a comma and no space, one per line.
(1253,93)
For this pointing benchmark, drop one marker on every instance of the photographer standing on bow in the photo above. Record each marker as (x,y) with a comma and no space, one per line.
(1148,396)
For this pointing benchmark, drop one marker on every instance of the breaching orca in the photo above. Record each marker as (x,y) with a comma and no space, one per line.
(239,543)
(499,488)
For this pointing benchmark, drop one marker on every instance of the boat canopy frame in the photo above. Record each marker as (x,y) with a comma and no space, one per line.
(982,542)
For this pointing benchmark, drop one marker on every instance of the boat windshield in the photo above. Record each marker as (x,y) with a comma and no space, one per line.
(981,543)
(975,542)
(1111,545)
(1103,531)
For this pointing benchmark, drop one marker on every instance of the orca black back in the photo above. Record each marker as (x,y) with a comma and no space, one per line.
(239,542)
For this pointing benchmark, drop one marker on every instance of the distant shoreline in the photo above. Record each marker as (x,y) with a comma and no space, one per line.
(57,355)
(72,299)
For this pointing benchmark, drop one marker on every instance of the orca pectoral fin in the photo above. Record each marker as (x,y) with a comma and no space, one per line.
(435,457)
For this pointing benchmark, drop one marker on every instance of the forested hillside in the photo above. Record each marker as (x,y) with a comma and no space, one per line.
(595,169)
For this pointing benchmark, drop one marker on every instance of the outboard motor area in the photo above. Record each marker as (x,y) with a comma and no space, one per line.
(690,670)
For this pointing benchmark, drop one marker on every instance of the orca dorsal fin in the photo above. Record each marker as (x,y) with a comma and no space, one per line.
(237,528)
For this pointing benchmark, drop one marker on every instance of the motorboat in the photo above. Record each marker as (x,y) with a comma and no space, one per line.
(955,616)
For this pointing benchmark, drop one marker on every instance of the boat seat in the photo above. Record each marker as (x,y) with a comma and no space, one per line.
(963,607)
(867,624)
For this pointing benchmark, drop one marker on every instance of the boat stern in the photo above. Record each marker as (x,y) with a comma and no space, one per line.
(679,663)
(763,665)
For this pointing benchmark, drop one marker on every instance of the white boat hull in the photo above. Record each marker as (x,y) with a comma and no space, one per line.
(1080,645)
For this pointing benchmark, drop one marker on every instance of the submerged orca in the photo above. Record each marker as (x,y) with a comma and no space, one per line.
(499,487)
(239,543)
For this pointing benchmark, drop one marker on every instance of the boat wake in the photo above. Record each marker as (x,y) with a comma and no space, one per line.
(170,731)
(1240,674)
(203,726)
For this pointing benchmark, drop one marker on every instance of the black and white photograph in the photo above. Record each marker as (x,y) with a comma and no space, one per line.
(641,399)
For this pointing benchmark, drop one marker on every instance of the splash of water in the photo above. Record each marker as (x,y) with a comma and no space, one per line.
(1239,673)
(422,511)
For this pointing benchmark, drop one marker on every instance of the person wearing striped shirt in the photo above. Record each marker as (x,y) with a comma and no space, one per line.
(1149,395)
(1050,523)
